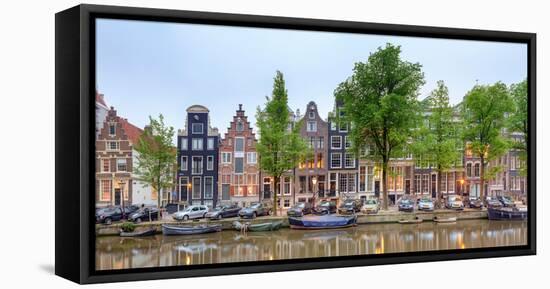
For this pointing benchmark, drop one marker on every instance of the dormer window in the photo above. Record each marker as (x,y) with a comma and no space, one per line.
(196,128)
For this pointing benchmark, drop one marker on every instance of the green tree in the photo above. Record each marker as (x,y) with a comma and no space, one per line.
(484,112)
(518,120)
(438,139)
(156,157)
(280,145)
(380,102)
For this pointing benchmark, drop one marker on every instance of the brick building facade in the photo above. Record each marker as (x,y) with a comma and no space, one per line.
(239,172)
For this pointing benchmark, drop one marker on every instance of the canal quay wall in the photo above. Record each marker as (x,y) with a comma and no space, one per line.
(227,224)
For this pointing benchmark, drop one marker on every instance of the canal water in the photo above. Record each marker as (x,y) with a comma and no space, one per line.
(233,246)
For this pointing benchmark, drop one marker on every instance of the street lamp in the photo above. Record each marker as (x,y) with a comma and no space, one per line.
(461,187)
(314,182)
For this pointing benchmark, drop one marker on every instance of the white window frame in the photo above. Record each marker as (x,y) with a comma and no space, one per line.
(251,158)
(193,188)
(209,195)
(210,143)
(226,157)
(235,148)
(332,159)
(182,167)
(197,123)
(201,165)
(209,163)
(101,190)
(352,158)
(347,143)
(331,142)
(197,147)
(313,128)
(108,145)
(102,164)
(121,159)
(184,144)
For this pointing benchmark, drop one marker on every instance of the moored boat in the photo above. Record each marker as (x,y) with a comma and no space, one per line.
(261,227)
(144,233)
(322,222)
(410,221)
(507,214)
(190,230)
(444,220)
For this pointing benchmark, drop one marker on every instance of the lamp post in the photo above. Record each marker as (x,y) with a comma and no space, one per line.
(121,187)
(461,187)
(314,182)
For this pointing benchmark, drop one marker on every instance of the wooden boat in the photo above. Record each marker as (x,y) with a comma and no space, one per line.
(322,222)
(144,233)
(444,220)
(410,221)
(507,214)
(190,230)
(262,227)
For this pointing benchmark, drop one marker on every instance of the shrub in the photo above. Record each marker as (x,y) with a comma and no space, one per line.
(128,227)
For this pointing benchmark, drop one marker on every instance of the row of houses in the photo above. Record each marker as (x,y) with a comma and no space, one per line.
(213,169)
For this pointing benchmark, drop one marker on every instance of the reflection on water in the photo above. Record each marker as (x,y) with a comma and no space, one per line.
(233,246)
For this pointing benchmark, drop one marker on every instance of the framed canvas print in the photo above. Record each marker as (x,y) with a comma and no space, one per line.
(196,144)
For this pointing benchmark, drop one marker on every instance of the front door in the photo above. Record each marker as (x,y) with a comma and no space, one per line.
(225,192)
(377,188)
(117,197)
(407,187)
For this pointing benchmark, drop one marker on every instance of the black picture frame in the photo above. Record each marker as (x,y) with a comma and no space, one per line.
(74,148)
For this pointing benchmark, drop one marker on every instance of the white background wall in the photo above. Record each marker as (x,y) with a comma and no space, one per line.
(27,146)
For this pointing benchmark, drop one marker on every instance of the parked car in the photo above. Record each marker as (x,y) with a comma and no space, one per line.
(109,215)
(299,209)
(506,201)
(454,202)
(371,206)
(350,206)
(406,205)
(425,204)
(255,210)
(171,208)
(493,203)
(128,210)
(191,212)
(475,203)
(145,214)
(226,211)
(325,208)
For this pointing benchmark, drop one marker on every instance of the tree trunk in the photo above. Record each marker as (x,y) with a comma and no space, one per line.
(275,192)
(159,198)
(482,178)
(438,184)
(385,183)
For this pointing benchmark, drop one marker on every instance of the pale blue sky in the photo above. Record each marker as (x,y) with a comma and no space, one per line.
(146,68)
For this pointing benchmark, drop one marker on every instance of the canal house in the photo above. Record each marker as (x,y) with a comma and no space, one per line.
(310,176)
(197,159)
(238,163)
(116,184)
(342,163)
